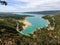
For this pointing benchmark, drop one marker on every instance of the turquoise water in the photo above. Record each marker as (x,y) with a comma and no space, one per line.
(36,21)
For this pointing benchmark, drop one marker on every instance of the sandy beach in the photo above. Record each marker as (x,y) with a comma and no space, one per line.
(25,22)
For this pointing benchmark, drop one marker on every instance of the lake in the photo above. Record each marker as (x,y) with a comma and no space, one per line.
(36,22)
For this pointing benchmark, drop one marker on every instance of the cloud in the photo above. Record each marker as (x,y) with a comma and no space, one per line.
(35,3)
(6,8)
(31,5)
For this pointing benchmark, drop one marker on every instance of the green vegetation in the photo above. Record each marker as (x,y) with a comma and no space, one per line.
(8,23)
(55,33)
(45,36)
(42,36)
(13,16)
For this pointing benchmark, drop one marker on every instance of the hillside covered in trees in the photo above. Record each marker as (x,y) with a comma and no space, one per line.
(49,35)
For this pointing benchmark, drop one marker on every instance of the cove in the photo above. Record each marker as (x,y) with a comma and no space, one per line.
(36,21)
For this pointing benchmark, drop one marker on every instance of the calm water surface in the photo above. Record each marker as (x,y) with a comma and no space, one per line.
(36,21)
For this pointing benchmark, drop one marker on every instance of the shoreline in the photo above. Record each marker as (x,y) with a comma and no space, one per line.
(48,22)
(42,27)
(28,24)
(25,22)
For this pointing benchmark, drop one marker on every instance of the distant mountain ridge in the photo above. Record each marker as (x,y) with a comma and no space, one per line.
(44,12)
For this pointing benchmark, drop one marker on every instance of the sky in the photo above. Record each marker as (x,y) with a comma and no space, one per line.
(30,5)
